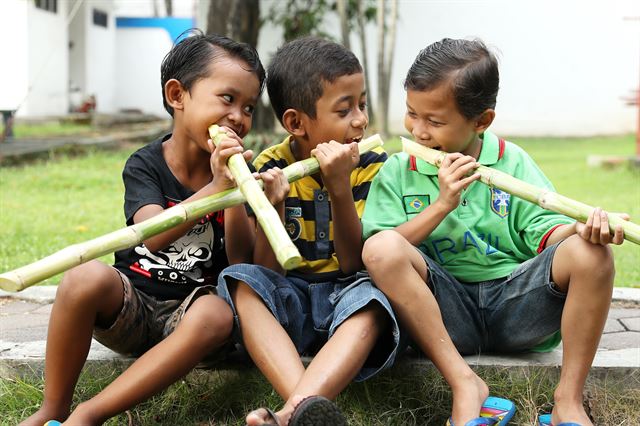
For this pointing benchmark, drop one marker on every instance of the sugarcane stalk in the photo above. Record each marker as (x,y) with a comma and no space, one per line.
(76,254)
(286,252)
(543,197)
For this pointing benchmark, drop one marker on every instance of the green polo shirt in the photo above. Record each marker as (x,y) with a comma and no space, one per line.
(488,235)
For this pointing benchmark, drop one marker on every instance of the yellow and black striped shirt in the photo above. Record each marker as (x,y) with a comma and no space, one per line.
(308,209)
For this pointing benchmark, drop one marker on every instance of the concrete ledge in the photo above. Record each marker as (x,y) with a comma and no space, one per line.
(24,320)
(608,370)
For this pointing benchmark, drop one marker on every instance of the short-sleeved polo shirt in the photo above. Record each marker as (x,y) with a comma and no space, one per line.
(308,218)
(490,232)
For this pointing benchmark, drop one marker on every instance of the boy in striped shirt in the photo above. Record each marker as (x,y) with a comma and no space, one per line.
(326,307)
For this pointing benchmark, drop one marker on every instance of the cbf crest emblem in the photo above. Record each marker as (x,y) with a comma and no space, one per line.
(500,202)
(292,222)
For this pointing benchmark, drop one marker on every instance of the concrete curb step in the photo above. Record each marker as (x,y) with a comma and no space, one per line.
(602,373)
(24,318)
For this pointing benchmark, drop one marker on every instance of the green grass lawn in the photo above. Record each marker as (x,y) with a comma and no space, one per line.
(47,206)
(403,396)
(49,128)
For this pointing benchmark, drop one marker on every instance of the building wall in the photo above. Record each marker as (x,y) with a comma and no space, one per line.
(14,72)
(48,61)
(138,87)
(77,54)
(100,56)
(141,44)
(33,75)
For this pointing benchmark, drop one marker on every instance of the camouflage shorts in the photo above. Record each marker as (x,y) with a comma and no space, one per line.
(143,321)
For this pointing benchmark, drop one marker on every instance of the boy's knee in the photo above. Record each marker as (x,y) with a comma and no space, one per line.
(382,249)
(90,281)
(370,320)
(211,318)
(592,259)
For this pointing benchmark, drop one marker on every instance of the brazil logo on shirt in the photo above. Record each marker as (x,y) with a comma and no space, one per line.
(500,202)
(415,203)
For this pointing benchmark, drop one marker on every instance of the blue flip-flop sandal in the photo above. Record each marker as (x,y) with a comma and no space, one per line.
(479,421)
(494,411)
(545,420)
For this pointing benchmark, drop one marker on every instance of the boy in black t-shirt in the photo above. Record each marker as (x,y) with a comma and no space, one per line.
(159,300)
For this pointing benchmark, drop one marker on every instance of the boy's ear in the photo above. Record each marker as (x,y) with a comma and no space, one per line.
(293,122)
(484,121)
(174,94)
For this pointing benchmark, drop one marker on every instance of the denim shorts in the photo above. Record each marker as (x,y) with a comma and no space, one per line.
(511,314)
(144,321)
(310,312)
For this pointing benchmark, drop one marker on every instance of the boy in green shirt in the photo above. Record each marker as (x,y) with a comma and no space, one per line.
(501,274)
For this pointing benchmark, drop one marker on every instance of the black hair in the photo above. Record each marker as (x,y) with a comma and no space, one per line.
(189,60)
(467,64)
(298,68)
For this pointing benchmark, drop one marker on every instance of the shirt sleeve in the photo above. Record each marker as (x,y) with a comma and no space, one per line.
(532,223)
(141,187)
(384,208)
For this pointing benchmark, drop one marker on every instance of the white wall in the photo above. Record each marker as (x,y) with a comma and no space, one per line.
(144,8)
(77,55)
(100,54)
(34,67)
(14,72)
(48,61)
(139,52)
(564,64)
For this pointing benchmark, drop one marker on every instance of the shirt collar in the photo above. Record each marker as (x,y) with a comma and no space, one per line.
(488,155)
(287,152)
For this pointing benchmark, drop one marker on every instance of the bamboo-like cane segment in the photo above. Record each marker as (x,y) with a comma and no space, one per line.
(28,275)
(541,196)
(286,252)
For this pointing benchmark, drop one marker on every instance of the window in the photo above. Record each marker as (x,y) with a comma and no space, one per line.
(48,5)
(100,18)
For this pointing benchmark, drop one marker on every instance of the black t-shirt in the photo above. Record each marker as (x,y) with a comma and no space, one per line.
(193,260)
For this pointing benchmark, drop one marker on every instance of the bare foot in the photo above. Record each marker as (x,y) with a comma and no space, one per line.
(43,415)
(262,415)
(467,400)
(569,412)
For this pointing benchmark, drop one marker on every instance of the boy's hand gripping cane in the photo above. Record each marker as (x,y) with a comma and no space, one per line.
(76,254)
(286,252)
(541,196)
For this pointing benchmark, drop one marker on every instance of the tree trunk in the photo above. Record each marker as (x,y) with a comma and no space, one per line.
(168,4)
(383,102)
(244,21)
(218,16)
(391,41)
(365,60)
(385,61)
(240,20)
(344,22)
